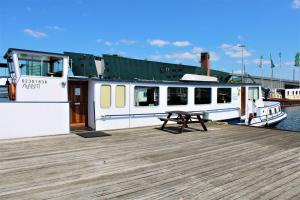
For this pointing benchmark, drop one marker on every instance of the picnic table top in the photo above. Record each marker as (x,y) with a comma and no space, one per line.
(190,113)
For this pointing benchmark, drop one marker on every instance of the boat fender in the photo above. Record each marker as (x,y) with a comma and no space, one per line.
(12,91)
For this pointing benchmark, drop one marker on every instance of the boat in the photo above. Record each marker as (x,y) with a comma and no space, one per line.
(287,97)
(43,99)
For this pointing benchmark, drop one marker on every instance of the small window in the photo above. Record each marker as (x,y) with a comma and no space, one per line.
(120,96)
(3,91)
(253,93)
(105,93)
(270,112)
(224,95)
(40,65)
(146,96)
(177,96)
(202,95)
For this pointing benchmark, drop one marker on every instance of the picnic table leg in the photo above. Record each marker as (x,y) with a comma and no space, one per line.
(165,122)
(184,125)
(202,122)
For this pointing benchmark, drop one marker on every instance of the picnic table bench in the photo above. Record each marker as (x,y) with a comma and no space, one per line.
(184,118)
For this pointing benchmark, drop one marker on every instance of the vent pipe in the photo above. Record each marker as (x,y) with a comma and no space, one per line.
(205,63)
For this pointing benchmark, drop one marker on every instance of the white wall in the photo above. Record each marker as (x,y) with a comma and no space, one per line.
(31,88)
(103,116)
(135,116)
(19,120)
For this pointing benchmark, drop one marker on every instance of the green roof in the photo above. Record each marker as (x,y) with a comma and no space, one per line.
(117,67)
(122,68)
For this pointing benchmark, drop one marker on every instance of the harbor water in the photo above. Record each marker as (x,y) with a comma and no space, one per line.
(292,122)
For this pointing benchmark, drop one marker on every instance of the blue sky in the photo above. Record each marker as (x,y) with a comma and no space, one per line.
(165,30)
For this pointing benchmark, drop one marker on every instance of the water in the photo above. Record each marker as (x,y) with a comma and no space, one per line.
(292,122)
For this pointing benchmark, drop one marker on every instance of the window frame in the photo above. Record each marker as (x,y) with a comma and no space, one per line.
(49,74)
(210,89)
(101,96)
(124,105)
(218,95)
(141,86)
(252,89)
(187,96)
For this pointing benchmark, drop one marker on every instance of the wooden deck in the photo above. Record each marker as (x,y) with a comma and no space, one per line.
(227,162)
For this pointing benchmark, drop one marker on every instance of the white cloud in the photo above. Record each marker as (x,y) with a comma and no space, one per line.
(35,34)
(296,4)
(128,42)
(246,62)
(178,56)
(235,51)
(193,55)
(56,28)
(239,71)
(238,54)
(225,46)
(197,50)
(108,43)
(264,62)
(158,42)
(182,43)
(116,43)
(289,63)
(182,56)
(214,56)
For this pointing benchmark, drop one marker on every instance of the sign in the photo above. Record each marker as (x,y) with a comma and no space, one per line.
(33,84)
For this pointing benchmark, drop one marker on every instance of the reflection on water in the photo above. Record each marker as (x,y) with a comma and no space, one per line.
(292,122)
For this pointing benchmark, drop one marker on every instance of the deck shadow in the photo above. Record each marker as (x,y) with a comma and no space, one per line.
(174,129)
(92,134)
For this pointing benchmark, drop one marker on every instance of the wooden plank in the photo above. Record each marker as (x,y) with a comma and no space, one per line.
(230,162)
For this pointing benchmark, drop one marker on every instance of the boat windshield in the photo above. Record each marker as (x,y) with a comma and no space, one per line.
(40,65)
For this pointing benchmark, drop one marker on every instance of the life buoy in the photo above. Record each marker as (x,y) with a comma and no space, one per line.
(12,91)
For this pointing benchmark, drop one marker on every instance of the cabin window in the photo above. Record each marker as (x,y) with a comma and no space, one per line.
(146,96)
(40,65)
(253,93)
(177,96)
(202,95)
(120,96)
(3,92)
(105,96)
(224,95)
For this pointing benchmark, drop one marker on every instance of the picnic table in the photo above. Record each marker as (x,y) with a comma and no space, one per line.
(184,118)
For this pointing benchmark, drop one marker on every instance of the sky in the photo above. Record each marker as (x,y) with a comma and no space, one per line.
(174,31)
